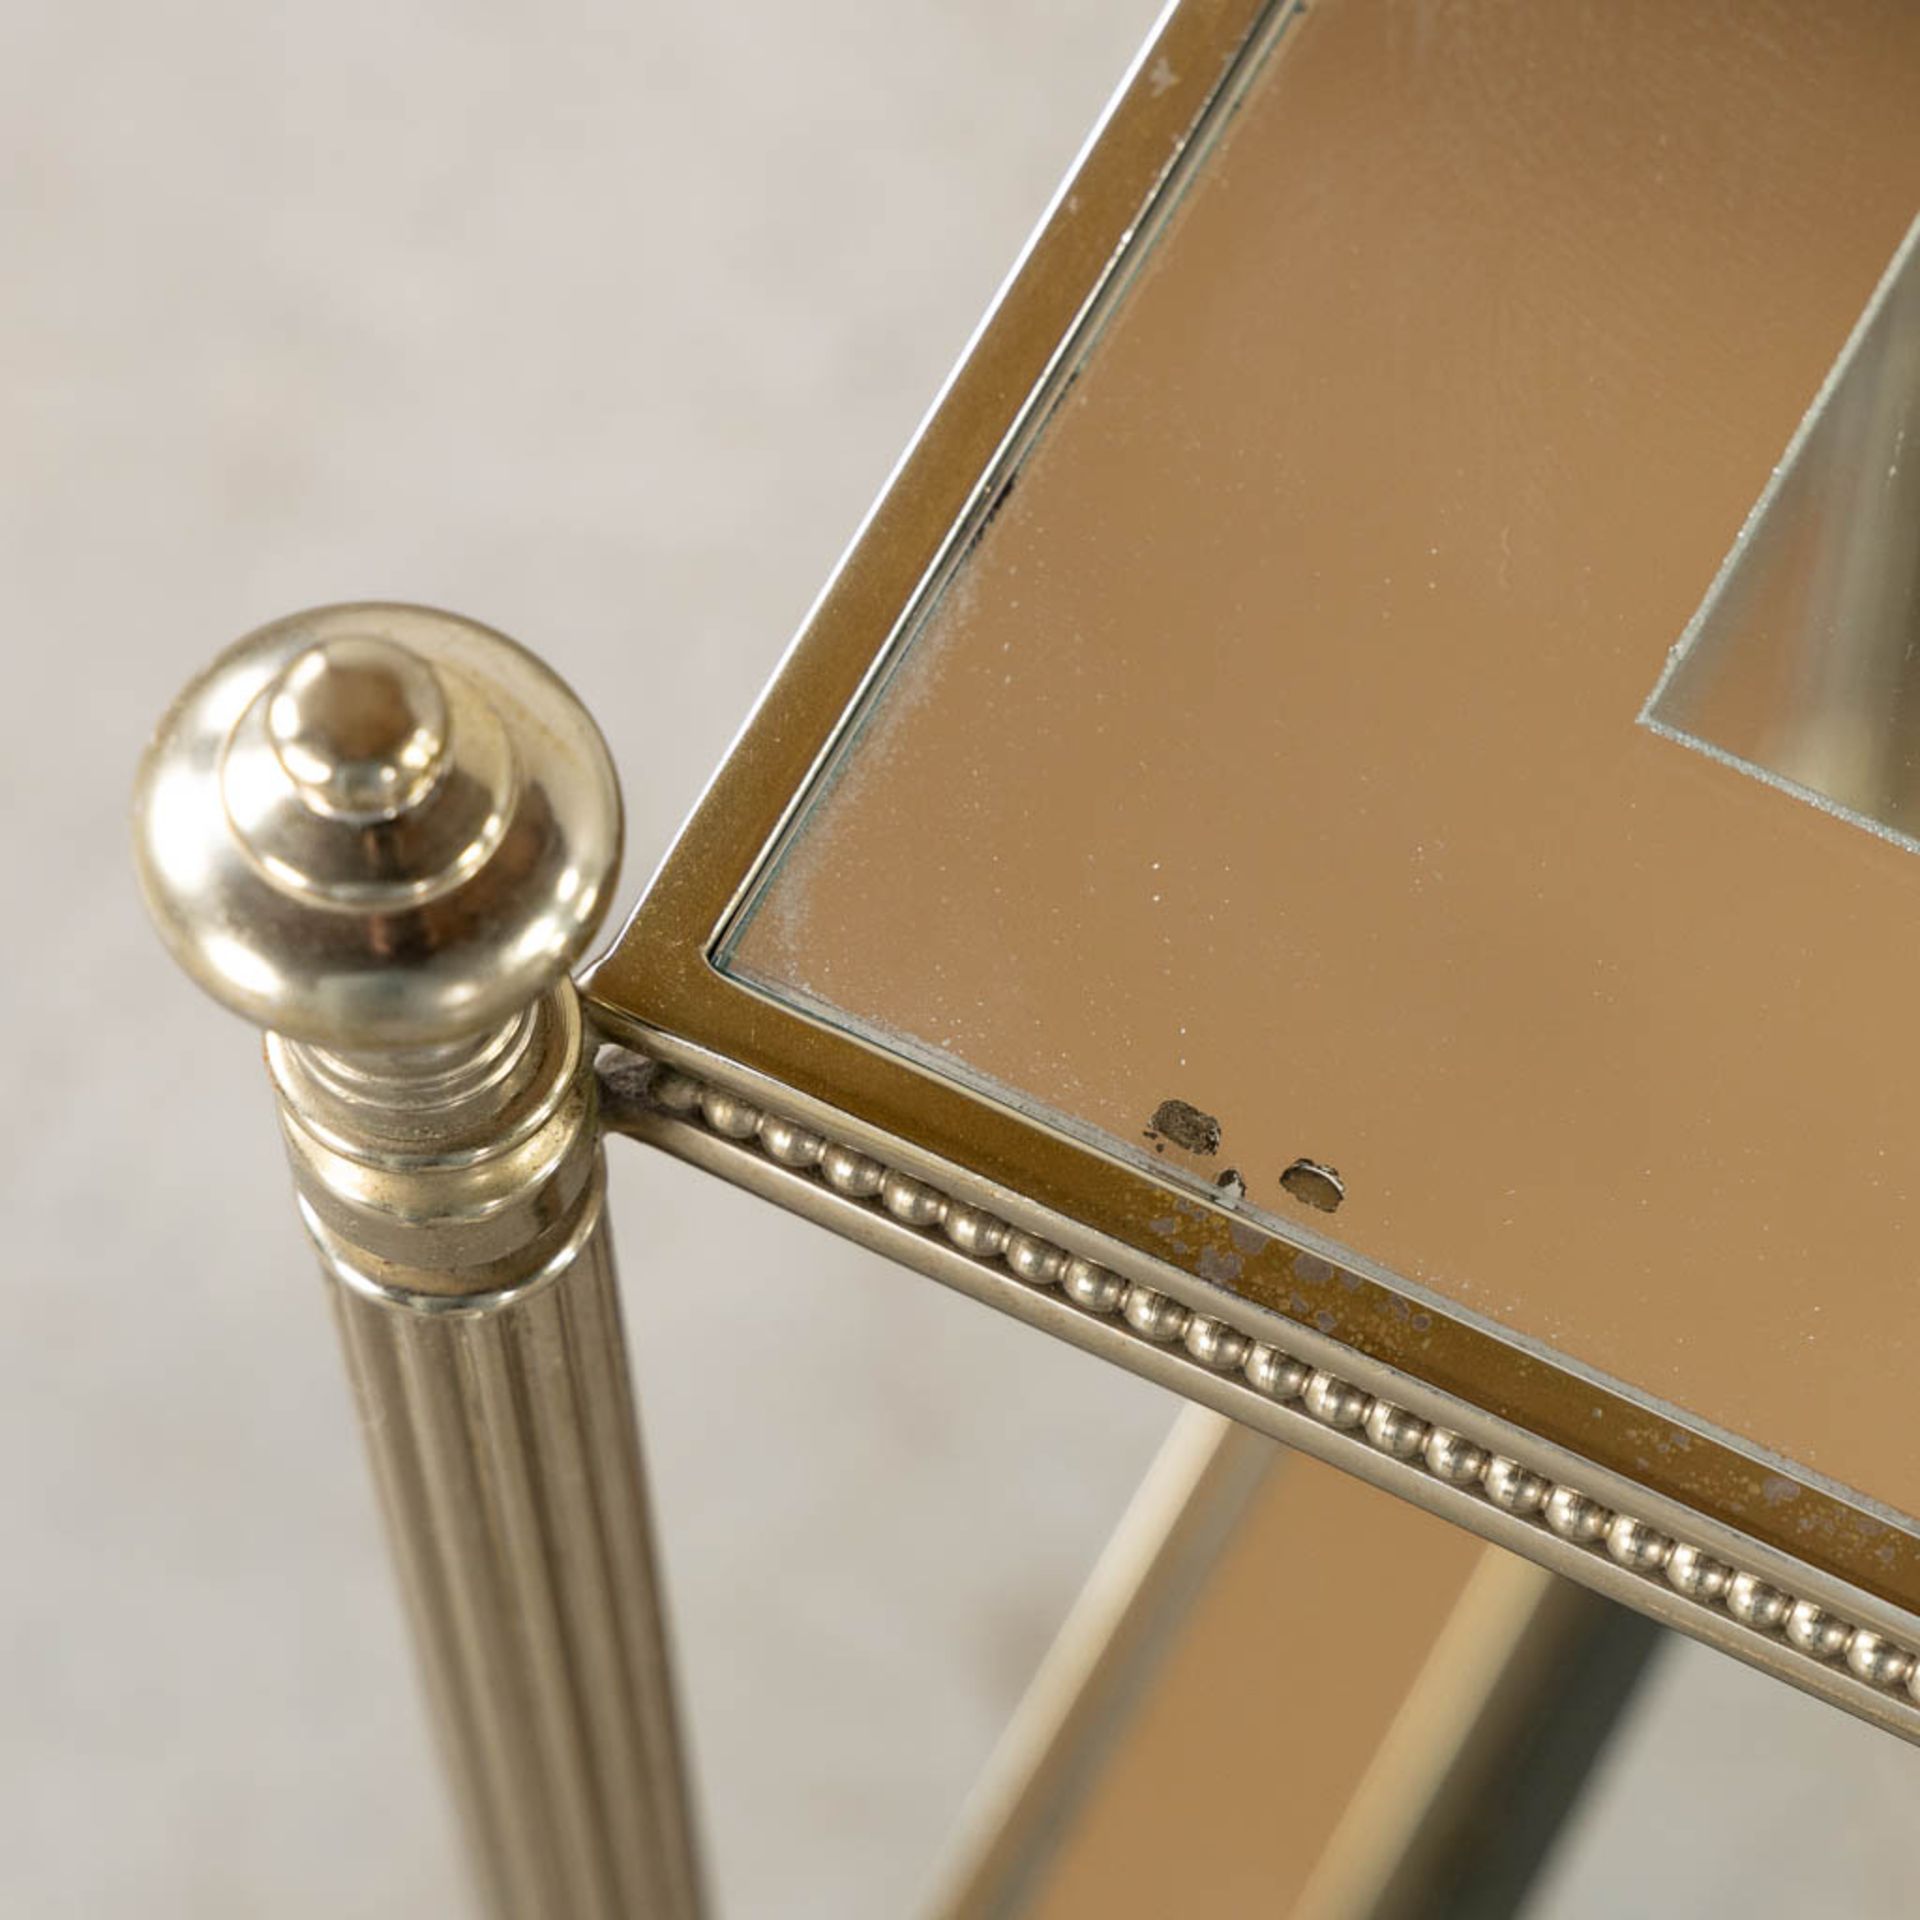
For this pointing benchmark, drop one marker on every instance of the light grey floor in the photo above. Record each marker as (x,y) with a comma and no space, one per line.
(602,322)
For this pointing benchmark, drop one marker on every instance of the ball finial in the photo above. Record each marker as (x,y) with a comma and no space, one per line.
(377,826)
(360,725)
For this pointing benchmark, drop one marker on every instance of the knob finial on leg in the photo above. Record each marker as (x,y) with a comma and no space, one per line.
(377,826)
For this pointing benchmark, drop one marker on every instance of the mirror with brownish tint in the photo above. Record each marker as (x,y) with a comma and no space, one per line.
(1259,794)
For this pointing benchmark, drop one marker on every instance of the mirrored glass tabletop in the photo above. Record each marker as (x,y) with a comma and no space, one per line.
(1405,747)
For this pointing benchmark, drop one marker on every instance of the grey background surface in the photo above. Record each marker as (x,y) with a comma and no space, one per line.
(603,323)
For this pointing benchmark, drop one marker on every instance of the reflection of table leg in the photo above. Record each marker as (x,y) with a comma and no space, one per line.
(1285,1693)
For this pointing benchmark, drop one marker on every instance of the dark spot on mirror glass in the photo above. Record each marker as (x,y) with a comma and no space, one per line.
(1314,1185)
(1185,1126)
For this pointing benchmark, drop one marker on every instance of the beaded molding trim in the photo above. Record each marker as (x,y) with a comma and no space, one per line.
(1158,1319)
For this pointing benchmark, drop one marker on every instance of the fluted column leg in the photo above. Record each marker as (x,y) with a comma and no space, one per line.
(503,1440)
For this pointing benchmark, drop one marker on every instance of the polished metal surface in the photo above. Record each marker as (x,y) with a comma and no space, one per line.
(503,1443)
(462,1169)
(360,726)
(384,833)
(376,826)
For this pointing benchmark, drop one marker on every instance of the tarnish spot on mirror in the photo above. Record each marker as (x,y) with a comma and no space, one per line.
(1314,1185)
(1180,1124)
